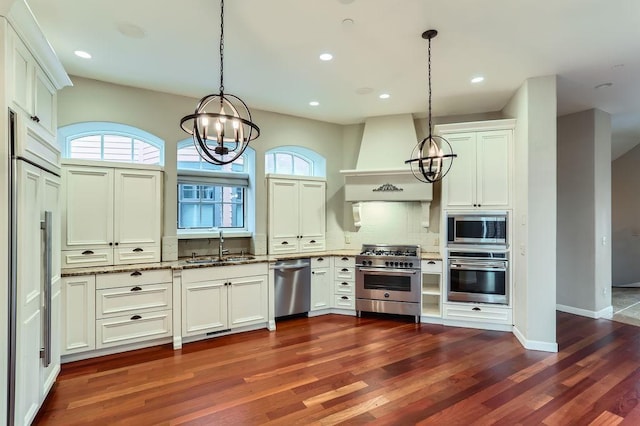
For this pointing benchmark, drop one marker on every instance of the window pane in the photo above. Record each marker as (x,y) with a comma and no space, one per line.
(301,167)
(145,153)
(269,164)
(284,163)
(117,148)
(86,148)
(210,206)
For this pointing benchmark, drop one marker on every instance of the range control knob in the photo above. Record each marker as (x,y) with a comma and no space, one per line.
(410,264)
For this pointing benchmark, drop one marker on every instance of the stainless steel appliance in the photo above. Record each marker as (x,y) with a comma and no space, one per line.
(488,228)
(478,276)
(292,287)
(388,279)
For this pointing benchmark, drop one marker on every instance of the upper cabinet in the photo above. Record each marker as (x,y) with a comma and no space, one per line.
(111,215)
(31,90)
(481,176)
(296,214)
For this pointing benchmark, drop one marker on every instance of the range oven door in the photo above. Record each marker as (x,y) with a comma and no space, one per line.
(478,281)
(400,285)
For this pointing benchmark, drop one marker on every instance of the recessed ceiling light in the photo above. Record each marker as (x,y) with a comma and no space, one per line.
(314,103)
(478,79)
(82,54)
(326,57)
(384,96)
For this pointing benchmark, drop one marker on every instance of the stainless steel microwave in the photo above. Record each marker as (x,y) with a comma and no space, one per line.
(477,228)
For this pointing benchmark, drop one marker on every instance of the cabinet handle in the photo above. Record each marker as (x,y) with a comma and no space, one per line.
(344,270)
(87,252)
(136,317)
(320,259)
(136,288)
(431,262)
(312,241)
(35,118)
(136,273)
(137,250)
(344,298)
(284,243)
(343,283)
(476,309)
(345,259)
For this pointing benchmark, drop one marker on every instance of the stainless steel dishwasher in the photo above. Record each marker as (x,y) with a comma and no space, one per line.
(292,287)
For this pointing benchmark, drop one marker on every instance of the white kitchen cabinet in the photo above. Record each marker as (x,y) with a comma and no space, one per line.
(112,216)
(78,314)
(476,314)
(321,283)
(344,293)
(431,288)
(481,176)
(223,297)
(31,90)
(296,214)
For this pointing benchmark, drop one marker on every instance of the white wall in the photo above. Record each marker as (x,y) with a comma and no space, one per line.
(625,205)
(584,213)
(534,247)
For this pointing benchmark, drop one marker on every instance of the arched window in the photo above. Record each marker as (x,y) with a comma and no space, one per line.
(213,197)
(294,160)
(105,141)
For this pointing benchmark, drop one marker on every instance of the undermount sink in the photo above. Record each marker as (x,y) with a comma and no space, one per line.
(202,261)
(237,258)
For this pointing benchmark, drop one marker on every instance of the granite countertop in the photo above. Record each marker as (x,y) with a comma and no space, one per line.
(182,263)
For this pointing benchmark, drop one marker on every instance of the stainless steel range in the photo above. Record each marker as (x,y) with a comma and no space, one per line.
(388,279)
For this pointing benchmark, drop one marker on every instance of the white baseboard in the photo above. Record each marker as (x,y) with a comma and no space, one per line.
(627,285)
(534,345)
(603,313)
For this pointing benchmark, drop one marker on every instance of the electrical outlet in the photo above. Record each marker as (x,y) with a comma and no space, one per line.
(347,238)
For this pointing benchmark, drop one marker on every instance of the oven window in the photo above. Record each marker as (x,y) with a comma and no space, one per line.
(387,282)
(478,282)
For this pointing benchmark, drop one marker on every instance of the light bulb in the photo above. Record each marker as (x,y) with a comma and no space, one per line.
(222,113)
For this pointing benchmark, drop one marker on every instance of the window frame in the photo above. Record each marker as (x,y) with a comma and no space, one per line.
(66,134)
(317,162)
(245,179)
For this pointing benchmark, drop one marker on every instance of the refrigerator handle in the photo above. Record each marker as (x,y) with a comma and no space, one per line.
(45,352)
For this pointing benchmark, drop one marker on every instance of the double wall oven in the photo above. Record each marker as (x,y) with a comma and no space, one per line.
(478,257)
(388,279)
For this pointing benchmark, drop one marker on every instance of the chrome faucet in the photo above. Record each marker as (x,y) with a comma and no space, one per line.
(221,249)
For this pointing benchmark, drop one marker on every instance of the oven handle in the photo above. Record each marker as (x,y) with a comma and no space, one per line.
(479,266)
(387,271)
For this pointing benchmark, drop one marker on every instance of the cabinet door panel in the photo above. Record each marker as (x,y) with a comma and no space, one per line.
(22,69)
(78,314)
(312,210)
(204,307)
(493,168)
(321,288)
(461,180)
(89,207)
(248,301)
(137,207)
(45,103)
(283,211)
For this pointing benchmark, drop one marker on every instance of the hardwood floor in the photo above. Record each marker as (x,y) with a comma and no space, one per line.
(345,370)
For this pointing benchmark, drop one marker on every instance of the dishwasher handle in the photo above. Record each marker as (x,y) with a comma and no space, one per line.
(290,268)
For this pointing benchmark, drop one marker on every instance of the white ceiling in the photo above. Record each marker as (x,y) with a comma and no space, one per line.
(272,48)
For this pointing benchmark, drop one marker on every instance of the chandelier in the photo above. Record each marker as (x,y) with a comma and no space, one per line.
(432,157)
(221,125)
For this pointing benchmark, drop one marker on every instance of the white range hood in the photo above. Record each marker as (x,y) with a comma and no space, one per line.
(380,173)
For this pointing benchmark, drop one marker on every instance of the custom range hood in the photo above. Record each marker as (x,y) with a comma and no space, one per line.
(380,173)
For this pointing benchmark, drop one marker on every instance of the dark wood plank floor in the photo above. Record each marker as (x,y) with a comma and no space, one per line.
(345,370)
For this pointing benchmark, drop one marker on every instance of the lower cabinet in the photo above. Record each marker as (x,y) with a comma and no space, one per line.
(431,288)
(344,286)
(321,283)
(107,310)
(478,313)
(224,297)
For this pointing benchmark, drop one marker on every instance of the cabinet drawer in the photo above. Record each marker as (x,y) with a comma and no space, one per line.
(196,275)
(134,300)
(137,254)
(345,274)
(345,287)
(133,278)
(345,262)
(312,244)
(87,257)
(283,245)
(320,262)
(480,313)
(127,329)
(345,302)
(431,266)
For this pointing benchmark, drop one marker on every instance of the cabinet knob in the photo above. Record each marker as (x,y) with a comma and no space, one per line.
(35,118)
(136,288)
(87,252)
(136,317)
(110,244)
(136,273)
(117,243)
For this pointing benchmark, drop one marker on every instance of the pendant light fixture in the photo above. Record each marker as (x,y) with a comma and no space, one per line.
(432,157)
(221,125)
